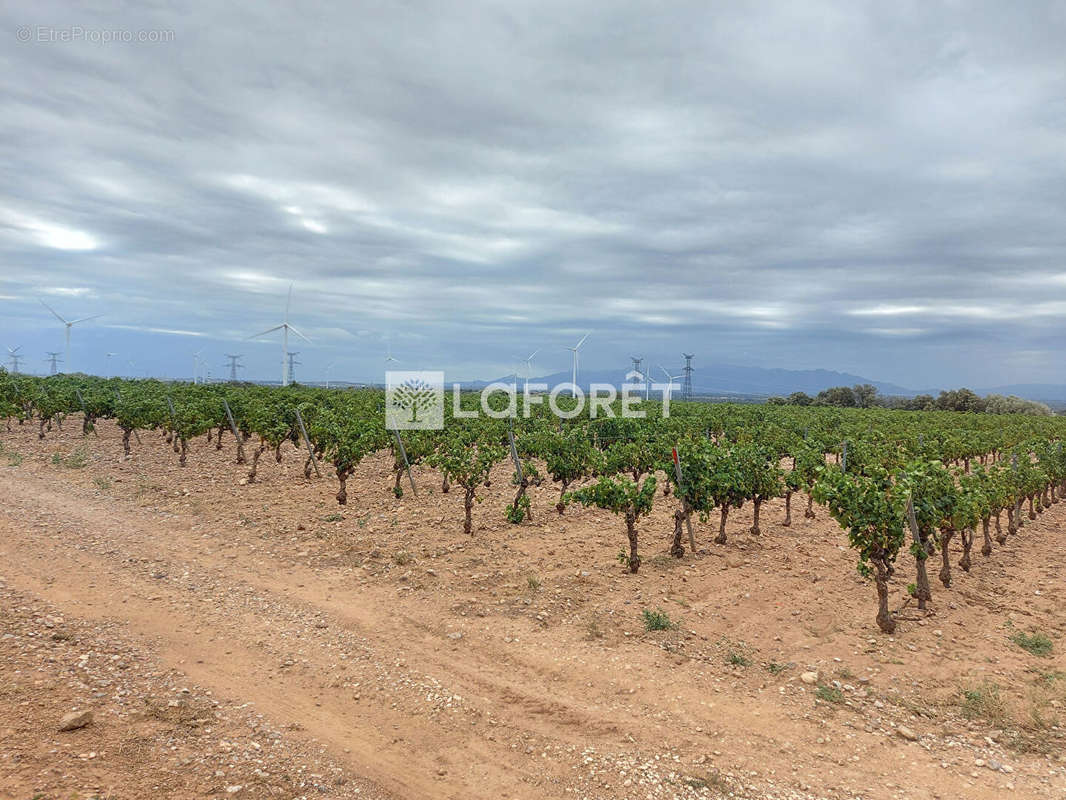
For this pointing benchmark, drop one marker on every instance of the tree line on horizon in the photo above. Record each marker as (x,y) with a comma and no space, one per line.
(865,395)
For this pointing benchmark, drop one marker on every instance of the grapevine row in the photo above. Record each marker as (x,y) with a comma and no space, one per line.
(896,481)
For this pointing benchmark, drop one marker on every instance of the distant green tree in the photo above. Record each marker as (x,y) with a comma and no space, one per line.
(921,402)
(865,395)
(965,400)
(998,404)
(842,396)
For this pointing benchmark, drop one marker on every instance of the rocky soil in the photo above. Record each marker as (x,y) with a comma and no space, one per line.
(237,639)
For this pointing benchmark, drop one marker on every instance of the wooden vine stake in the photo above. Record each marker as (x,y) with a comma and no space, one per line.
(307,441)
(406,463)
(514,451)
(684,502)
(233,430)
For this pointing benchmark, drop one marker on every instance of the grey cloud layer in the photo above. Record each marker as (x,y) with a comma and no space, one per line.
(866,187)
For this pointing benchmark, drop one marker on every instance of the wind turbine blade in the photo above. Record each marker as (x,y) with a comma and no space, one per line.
(52,310)
(583,338)
(84,319)
(288,302)
(264,333)
(669,377)
(530,356)
(299,334)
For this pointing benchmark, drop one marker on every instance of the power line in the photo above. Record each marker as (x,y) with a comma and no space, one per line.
(686,387)
(234,365)
(14,357)
(293,363)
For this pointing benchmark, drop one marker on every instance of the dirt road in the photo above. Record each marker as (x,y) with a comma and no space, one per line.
(433,672)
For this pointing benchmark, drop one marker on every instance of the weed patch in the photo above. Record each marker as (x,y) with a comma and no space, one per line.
(657,620)
(1036,643)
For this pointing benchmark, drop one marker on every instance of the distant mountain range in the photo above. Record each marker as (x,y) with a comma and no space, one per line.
(1054,394)
(724,379)
(733,380)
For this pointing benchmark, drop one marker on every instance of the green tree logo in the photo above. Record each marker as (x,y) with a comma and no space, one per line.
(414,400)
(414,395)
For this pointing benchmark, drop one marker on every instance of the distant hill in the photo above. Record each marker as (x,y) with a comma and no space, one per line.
(758,380)
(1054,394)
(725,379)
(729,381)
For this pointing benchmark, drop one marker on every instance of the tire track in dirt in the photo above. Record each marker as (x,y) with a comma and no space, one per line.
(306,641)
(356,609)
(225,615)
(236,651)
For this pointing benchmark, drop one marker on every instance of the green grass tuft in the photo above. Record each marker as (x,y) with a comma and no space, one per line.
(830,694)
(738,659)
(984,702)
(1036,643)
(79,459)
(657,620)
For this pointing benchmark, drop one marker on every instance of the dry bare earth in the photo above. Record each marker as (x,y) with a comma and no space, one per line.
(510,664)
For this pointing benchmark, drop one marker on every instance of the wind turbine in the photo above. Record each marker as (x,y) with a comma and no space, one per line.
(574,350)
(69,325)
(329,369)
(107,358)
(669,379)
(284,327)
(388,354)
(529,365)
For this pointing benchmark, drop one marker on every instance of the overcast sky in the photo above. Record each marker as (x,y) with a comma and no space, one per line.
(872,187)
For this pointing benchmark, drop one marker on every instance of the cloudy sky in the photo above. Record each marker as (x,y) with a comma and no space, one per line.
(871,187)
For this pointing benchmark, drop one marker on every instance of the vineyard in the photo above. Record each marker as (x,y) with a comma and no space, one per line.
(737,600)
(898,483)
